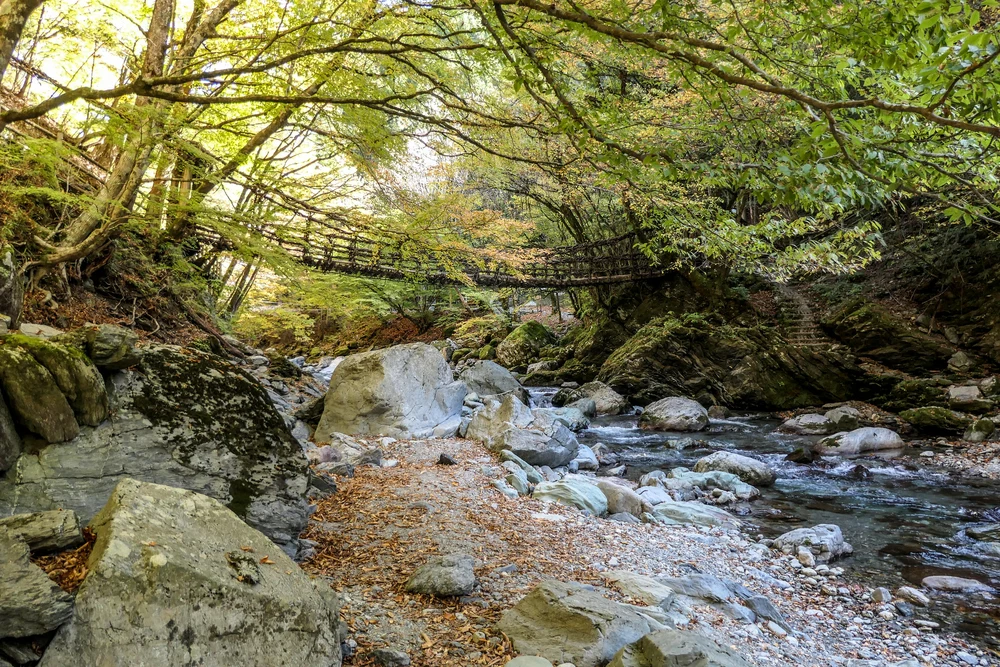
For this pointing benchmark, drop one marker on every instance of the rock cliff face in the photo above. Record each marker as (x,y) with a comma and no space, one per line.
(728,365)
(182,418)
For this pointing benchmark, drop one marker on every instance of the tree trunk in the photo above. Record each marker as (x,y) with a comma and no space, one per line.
(13,16)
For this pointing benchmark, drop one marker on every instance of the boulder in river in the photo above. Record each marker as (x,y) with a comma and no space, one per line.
(572,418)
(403,391)
(670,648)
(182,418)
(808,424)
(826,541)
(844,417)
(574,493)
(674,414)
(567,622)
(606,400)
(747,469)
(684,480)
(175,574)
(955,584)
(487,378)
(860,441)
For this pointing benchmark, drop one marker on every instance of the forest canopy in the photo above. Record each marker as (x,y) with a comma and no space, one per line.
(768,137)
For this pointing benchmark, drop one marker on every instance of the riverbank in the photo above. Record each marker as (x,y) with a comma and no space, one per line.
(385,522)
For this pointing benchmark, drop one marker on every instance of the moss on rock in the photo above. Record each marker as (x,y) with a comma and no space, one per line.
(934,419)
(523,344)
(34,396)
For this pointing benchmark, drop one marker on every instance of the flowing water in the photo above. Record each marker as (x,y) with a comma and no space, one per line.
(905,518)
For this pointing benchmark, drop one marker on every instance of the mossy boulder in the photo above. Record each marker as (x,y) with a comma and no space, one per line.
(980,430)
(871,330)
(35,399)
(934,419)
(917,393)
(74,373)
(487,352)
(523,345)
(182,418)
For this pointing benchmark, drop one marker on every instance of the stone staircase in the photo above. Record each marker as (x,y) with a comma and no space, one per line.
(801,330)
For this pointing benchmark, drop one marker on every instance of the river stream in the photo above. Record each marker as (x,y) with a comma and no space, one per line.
(905,517)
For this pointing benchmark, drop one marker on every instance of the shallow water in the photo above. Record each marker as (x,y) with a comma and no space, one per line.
(905,518)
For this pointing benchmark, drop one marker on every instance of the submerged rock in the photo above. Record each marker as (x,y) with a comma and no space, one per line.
(674,414)
(222,592)
(747,469)
(954,584)
(567,622)
(403,391)
(672,648)
(859,441)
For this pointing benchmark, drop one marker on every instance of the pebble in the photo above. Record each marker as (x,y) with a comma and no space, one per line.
(967,658)
(927,454)
(776,629)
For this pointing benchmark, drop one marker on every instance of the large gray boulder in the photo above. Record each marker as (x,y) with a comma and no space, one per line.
(676,648)
(674,414)
(825,541)
(30,602)
(176,579)
(182,418)
(488,378)
(567,622)
(403,392)
(747,469)
(860,441)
